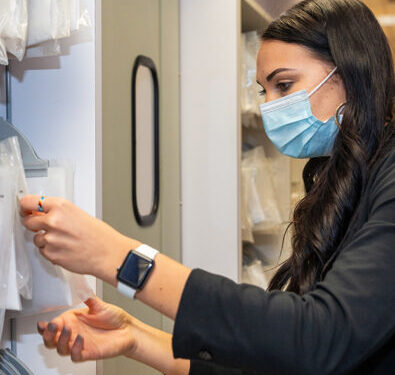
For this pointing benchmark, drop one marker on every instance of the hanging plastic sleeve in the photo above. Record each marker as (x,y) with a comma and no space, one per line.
(7,212)
(5,15)
(23,267)
(15,31)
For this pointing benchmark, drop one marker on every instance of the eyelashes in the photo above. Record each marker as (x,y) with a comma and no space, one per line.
(281,87)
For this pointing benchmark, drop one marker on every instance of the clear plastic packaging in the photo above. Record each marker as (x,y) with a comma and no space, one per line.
(79,15)
(45,49)
(62,288)
(15,31)
(262,206)
(48,19)
(79,21)
(7,212)
(246,222)
(11,150)
(250,99)
(4,19)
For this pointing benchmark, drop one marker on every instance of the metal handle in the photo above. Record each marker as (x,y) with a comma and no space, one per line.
(145,220)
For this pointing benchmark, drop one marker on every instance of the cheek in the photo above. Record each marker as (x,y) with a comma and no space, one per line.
(324,103)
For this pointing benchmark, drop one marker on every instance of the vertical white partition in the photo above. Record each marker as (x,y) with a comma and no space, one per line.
(210,134)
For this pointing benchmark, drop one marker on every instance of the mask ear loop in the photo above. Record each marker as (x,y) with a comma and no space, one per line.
(338,110)
(323,82)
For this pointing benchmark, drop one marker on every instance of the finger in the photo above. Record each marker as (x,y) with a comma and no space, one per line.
(50,334)
(40,240)
(41,326)
(35,223)
(63,341)
(29,204)
(95,304)
(77,349)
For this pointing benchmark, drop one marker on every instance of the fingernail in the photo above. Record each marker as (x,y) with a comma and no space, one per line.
(52,327)
(65,331)
(79,340)
(40,327)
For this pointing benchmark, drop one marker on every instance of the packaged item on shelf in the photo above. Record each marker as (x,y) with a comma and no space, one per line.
(62,288)
(262,206)
(8,184)
(246,223)
(254,274)
(48,19)
(250,99)
(16,33)
(79,29)
(79,15)
(13,297)
(45,49)
(11,148)
(5,15)
(15,28)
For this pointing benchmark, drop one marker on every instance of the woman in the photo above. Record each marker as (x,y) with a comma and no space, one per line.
(327,72)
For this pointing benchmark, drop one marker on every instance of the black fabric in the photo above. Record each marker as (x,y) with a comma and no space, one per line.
(346,325)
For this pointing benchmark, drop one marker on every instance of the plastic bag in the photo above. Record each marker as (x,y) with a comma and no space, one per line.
(45,49)
(15,31)
(7,212)
(48,19)
(246,222)
(250,99)
(62,288)
(4,19)
(262,206)
(254,274)
(13,297)
(79,22)
(79,15)
(11,150)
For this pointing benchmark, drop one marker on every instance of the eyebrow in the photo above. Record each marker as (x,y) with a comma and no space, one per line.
(275,72)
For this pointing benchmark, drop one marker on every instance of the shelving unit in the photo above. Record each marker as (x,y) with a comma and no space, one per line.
(212,135)
(287,179)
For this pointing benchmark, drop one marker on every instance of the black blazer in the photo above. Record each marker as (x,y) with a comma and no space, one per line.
(345,325)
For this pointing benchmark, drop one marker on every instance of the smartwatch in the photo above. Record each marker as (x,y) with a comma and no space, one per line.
(135,269)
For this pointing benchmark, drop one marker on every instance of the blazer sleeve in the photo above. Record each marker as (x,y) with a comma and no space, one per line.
(330,330)
(210,368)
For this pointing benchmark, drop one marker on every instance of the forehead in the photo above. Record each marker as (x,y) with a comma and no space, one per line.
(274,54)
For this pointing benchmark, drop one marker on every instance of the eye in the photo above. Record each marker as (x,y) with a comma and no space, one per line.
(262,92)
(283,87)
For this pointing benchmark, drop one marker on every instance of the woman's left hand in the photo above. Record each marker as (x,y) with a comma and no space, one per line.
(73,239)
(99,331)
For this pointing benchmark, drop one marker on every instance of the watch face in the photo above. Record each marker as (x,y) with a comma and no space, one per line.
(134,270)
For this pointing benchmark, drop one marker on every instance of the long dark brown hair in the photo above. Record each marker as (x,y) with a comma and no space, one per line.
(346,34)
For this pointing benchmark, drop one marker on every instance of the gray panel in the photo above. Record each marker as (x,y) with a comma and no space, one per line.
(131,28)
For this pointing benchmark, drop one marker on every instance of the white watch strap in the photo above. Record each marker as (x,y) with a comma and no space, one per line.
(146,251)
(126,290)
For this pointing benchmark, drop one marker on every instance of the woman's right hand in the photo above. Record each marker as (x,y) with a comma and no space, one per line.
(99,331)
(73,239)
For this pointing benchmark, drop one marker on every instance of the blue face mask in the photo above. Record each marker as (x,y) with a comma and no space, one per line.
(294,130)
